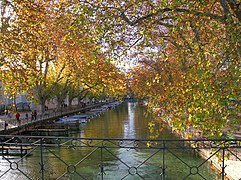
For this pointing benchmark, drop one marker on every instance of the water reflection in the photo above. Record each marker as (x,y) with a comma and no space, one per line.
(129,124)
(131,121)
(126,121)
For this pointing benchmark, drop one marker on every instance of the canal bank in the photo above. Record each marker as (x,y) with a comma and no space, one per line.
(44,119)
(224,158)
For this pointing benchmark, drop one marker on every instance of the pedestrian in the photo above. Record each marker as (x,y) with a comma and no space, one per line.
(5,125)
(18,117)
(26,116)
(32,115)
(35,114)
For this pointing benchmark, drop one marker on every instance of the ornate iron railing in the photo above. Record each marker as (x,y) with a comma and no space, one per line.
(35,157)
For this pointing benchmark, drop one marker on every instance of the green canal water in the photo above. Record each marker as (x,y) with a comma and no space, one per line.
(125,121)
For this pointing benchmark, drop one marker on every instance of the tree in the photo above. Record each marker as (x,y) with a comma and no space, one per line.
(44,44)
(201,71)
(196,68)
(188,52)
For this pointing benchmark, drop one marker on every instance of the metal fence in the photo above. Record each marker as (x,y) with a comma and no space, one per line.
(35,157)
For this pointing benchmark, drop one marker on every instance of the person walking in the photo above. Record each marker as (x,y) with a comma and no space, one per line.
(5,125)
(32,116)
(26,116)
(18,117)
(35,114)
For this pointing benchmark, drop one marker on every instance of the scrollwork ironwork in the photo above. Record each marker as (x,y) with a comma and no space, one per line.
(105,151)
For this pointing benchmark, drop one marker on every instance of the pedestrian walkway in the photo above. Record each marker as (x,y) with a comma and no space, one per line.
(25,118)
(51,113)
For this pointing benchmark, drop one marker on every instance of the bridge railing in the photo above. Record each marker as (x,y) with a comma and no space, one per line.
(41,157)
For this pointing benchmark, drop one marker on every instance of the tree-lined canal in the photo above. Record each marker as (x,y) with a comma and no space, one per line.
(125,121)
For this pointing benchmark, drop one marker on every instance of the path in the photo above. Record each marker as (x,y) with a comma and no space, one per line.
(12,122)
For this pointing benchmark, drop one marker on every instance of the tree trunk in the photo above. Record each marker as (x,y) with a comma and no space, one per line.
(42,106)
(70,103)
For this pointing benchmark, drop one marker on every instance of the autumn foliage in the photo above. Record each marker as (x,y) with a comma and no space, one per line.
(195,79)
(186,54)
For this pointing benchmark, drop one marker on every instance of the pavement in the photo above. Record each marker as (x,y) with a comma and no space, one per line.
(12,121)
(25,119)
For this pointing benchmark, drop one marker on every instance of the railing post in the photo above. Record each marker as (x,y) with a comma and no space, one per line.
(21,149)
(41,159)
(163,161)
(223,162)
(101,163)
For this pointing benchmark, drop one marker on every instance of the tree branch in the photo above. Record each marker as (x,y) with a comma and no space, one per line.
(236,8)
(178,10)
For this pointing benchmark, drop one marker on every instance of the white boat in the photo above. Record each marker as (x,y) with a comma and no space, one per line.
(111,105)
(98,110)
(81,116)
(71,120)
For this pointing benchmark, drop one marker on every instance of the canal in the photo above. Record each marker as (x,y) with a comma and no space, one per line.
(128,121)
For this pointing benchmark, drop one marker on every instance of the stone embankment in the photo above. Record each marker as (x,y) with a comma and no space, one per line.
(232,155)
(232,166)
(25,124)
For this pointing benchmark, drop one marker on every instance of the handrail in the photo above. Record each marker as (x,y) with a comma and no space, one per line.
(220,149)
